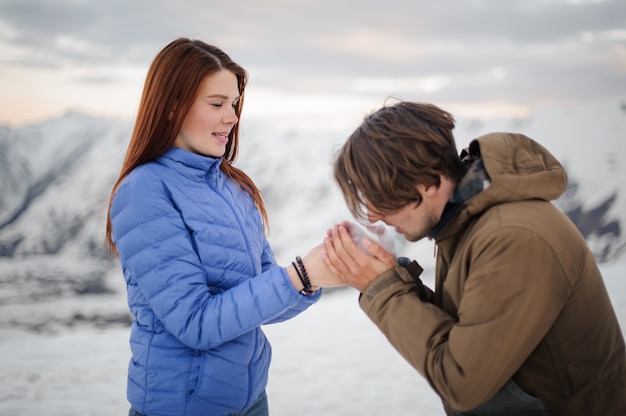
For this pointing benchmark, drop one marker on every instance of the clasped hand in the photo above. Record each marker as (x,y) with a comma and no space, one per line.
(338,261)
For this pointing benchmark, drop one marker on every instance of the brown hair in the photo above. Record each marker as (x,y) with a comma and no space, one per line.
(393,150)
(171,86)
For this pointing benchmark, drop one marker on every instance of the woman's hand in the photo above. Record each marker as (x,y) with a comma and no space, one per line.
(318,273)
(355,267)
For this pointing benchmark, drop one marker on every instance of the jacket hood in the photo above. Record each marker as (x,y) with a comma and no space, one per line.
(517,167)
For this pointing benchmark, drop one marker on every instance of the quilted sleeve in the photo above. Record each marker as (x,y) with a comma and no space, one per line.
(305,301)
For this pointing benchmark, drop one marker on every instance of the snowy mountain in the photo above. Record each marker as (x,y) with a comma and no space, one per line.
(56,177)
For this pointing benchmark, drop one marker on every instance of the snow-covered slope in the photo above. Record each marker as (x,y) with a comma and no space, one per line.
(56,177)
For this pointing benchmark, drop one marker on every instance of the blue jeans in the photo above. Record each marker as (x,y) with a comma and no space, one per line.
(258,408)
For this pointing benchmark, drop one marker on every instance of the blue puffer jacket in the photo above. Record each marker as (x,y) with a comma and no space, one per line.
(201,280)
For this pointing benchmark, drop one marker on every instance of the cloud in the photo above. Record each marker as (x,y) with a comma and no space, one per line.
(519,52)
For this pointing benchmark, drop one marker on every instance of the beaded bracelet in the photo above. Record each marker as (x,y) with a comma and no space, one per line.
(304,277)
(304,291)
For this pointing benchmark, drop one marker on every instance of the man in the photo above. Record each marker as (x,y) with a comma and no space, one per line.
(520,321)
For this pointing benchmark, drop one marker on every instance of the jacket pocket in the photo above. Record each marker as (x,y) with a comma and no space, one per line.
(194,372)
(511,400)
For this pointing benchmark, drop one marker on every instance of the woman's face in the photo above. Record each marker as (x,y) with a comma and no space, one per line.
(212,115)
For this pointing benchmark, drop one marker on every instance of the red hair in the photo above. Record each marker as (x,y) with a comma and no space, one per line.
(170,89)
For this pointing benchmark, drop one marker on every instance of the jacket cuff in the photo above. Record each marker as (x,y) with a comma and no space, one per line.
(407,273)
(387,282)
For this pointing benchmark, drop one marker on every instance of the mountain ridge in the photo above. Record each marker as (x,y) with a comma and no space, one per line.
(56,177)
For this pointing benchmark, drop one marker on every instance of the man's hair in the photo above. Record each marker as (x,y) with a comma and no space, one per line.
(391,152)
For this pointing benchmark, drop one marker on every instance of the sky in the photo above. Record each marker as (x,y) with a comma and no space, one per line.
(319,63)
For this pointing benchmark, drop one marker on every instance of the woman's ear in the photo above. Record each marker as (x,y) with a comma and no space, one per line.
(170,116)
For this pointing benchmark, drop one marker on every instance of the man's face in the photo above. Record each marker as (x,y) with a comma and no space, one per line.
(415,220)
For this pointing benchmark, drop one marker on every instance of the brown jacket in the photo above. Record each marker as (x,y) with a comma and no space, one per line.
(518,296)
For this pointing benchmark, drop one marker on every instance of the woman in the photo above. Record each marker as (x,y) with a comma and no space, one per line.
(188,228)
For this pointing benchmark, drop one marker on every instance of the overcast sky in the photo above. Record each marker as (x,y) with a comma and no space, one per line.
(317,61)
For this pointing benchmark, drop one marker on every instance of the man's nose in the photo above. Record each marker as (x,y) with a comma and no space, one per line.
(372,217)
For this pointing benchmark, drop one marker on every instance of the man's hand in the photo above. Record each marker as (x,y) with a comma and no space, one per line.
(357,268)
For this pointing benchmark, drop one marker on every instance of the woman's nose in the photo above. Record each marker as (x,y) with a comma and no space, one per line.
(231,117)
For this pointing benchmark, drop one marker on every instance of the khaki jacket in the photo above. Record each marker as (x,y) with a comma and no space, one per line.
(518,296)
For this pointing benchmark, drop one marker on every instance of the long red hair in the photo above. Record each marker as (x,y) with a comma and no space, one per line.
(171,86)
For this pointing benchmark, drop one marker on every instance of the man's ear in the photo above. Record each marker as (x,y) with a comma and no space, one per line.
(427,190)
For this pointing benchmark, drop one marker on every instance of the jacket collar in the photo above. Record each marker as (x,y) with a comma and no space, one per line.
(189,163)
(474,182)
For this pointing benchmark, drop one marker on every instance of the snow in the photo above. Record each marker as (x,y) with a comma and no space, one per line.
(67,355)
(330,360)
